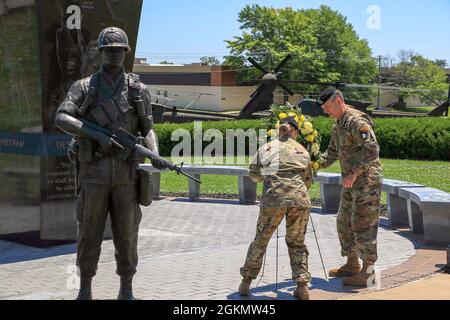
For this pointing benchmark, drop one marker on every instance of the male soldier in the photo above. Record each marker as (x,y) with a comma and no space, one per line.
(284,166)
(353,142)
(107,182)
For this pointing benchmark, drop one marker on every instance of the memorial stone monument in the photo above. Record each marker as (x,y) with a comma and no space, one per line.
(46,46)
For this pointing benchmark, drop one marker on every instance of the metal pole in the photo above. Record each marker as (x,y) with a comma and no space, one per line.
(318,247)
(379,83)
(276,268)
(263,269)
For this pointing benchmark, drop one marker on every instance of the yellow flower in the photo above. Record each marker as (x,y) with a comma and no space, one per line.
(315,149)
(315,133)
(300,120)
(282,115)
(307,128)
(315,165)
(309,138)
(277,126)
(292,114)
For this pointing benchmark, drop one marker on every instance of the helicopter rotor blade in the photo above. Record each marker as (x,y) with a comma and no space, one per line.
(283,63)
(257,65)
(368,86)
(336,84)
(257,91)
(285,88)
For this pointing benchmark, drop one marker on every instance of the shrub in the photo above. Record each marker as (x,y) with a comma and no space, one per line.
(399,138)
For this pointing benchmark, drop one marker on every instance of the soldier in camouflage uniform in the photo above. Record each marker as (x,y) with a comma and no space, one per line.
(107,183)
(284,166)
(354,144)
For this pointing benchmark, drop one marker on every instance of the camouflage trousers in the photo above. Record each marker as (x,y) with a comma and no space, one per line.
(94,202)
(296,224)
(358,219)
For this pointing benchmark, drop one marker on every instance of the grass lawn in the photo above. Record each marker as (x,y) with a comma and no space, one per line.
(435,174)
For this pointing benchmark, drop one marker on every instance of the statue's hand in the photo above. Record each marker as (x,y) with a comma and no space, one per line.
(109,144)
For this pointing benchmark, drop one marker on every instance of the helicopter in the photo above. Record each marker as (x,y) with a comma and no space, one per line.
(260,100)
(263,98)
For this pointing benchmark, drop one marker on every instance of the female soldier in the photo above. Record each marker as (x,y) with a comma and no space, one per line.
(284,166)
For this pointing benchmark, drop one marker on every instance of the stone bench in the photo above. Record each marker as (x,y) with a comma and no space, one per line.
(247,188)
(397,206)
(330,184)
(331,188)
(330,191)
(428,213)
(411,205)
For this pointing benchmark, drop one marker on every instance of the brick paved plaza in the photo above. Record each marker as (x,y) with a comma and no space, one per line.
(190,250)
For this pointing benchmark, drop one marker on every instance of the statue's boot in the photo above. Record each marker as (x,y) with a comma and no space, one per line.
(244,287)
(360,279)
(302,291)
(351,268)
(85,292)
(126,289)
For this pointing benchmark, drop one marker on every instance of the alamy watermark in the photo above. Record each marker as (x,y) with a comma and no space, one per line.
(73,280)
(374,281)
(73,21)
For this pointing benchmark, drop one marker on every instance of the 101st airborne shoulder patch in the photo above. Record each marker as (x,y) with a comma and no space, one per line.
(364,132)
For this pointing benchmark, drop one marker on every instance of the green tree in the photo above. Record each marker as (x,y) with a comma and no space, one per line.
(210,61)
(417,72)
(441,63)
(325,47)
(166,62)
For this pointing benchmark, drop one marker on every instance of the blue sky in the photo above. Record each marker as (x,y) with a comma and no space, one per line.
(182,31)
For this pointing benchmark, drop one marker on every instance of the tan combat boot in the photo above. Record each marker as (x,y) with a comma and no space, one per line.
(244,287)
(351,268)
(302,291)
(360,279)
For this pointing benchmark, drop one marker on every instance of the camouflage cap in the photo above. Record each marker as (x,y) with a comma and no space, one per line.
(326,95)
(291,121)
(113,37)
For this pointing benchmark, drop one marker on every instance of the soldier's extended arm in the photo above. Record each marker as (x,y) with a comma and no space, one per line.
(308,178)
(331,155)
(75,127)
(255,169)
(364,137)
(129,143)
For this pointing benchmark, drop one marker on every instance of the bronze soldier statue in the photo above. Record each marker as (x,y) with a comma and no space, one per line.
(354,144)
(108,181)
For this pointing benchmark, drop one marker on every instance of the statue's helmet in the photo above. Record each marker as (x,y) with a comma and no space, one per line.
(113,37)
